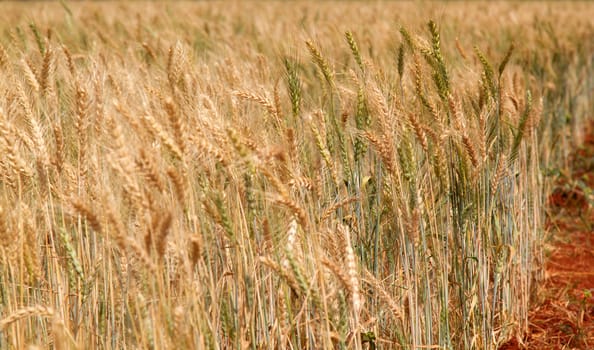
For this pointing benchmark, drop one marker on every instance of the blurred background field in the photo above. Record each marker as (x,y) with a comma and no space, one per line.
(270,175)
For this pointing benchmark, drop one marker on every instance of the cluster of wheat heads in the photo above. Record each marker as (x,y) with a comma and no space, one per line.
(183,176)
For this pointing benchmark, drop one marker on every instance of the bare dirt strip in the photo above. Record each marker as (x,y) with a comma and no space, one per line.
(564,317)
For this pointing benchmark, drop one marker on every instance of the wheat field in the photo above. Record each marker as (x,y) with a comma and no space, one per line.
(301,175)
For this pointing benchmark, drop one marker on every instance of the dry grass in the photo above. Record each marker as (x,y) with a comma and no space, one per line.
(283,176)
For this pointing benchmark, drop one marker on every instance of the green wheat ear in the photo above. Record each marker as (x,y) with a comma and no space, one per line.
(362,121)
(407,39)
(441,77)
(488,71)
(355,50)
(74,264)
(293,86)
(401,60)
(38,38)
(521,129)
(506,58)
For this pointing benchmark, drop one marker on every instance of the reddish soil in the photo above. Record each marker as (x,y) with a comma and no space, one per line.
(564,318)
